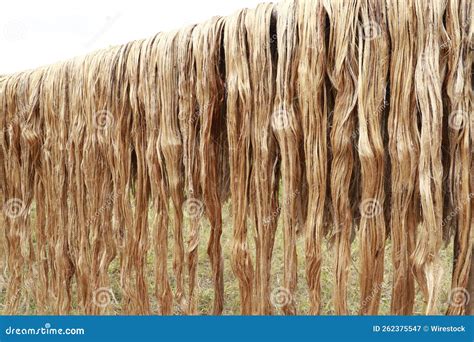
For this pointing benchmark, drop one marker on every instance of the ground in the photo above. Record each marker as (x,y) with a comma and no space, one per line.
(232,301)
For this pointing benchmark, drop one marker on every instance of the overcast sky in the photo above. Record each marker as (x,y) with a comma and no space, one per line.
(35,33)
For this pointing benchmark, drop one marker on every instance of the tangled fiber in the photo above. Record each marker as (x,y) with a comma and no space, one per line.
(330,120)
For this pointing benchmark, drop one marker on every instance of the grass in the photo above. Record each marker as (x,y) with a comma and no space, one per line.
(232,302)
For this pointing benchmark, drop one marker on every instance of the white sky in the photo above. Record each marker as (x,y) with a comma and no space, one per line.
(35,33)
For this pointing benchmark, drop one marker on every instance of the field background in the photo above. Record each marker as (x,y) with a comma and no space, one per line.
(232,302)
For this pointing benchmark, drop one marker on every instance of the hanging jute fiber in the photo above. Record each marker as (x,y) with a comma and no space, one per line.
(306,157)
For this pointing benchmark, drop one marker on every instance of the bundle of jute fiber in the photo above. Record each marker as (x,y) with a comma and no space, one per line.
(342,72)
(403,150)
(373,67)
(311,156)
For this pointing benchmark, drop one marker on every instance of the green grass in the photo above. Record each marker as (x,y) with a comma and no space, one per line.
(232,302)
